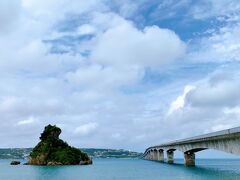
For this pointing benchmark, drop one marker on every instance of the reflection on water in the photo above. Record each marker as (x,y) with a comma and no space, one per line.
(114,169)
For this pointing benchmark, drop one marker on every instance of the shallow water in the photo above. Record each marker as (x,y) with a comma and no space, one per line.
(125,169)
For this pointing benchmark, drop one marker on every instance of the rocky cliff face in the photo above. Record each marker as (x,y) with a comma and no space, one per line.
(53,151)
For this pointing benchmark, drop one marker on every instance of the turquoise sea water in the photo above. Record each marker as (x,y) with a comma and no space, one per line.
(125,169)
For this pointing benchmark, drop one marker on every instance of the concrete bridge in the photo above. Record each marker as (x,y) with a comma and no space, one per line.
(226,140)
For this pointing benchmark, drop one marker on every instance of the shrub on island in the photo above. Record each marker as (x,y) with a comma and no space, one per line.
(53,151)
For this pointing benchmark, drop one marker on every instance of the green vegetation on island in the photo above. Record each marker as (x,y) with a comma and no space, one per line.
(53,151)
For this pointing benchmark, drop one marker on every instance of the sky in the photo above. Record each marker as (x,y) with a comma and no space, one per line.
(118,74)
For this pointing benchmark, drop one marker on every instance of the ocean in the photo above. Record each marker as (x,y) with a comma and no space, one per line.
(126,169)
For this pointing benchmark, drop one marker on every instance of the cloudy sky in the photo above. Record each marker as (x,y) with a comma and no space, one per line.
(118,74)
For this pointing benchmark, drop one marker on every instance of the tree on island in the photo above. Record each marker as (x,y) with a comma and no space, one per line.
(53,151)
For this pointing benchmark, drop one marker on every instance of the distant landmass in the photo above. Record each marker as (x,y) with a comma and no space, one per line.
(23,153)
(51,150)
(15,153)
(111,153)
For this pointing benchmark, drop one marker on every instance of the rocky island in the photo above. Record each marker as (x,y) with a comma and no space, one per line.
(53,151)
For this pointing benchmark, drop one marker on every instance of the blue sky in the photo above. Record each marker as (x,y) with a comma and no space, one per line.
(118,74)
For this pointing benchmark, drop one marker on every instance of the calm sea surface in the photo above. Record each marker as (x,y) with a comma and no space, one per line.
(124,169)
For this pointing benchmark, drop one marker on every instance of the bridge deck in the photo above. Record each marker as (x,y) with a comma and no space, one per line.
(210,136)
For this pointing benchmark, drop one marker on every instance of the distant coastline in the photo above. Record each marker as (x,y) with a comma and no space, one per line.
(23,153)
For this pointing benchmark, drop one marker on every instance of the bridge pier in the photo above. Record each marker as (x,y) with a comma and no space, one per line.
(154,154)
(151,155)
(160,155)
(147,156)
(170,156)
(189,159)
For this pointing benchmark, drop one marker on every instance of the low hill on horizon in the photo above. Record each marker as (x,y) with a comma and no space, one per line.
(23,153)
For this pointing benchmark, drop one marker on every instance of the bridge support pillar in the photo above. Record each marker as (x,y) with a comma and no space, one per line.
(155,155)
(189,159)
(148,156)
(151,154)
(160,155)
(170,156)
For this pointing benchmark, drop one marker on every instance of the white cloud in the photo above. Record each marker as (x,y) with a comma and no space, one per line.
(234,110)
(120,52)
(169,8)
(7,103)
(30,120)
(116,136)
(220,127)
(220,42)
(216,91)
(180,101)
(86,29)
(48,10)
(220,46)
(86,129)
(104,78)
(9,14)
(211,106)
(124,45)
(215,8)
(22,107)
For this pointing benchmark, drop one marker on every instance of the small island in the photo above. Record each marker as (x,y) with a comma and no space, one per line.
(53,151)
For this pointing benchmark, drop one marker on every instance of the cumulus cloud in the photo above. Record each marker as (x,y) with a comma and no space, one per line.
(217,91)
(124,44)
(214,102)
(120,52)
(97,76)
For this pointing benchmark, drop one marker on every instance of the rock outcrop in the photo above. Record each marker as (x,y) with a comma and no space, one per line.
(15,163)
(53,151)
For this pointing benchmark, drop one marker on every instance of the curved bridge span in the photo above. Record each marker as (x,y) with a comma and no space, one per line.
(226,140)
